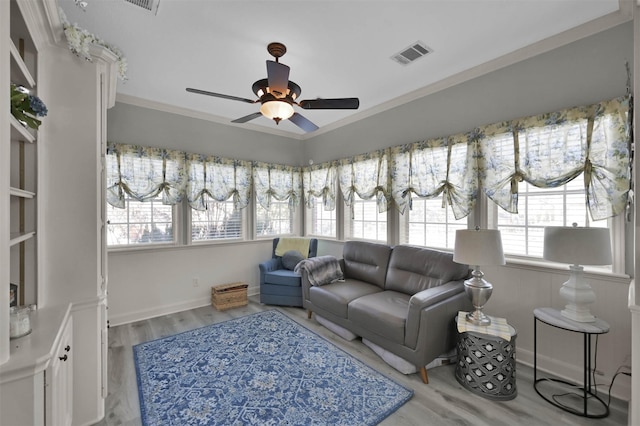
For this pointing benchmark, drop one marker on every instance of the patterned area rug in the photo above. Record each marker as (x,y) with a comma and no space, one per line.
(261,369)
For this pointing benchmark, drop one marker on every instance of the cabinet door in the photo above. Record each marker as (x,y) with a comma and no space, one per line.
(59,405)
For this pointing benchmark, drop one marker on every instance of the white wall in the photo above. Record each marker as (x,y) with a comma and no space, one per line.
(519,289)
(145,283)
(148,283)
(136,125)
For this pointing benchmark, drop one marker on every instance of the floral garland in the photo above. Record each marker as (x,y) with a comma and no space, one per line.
(80,40)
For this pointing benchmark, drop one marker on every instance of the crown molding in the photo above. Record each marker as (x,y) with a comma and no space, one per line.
(187,112)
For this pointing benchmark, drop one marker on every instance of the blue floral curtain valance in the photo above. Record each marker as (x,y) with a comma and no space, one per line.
(144,173)
(219,179)
(320,181)
(551,149)
(279,182)
(444,166)
(367,176)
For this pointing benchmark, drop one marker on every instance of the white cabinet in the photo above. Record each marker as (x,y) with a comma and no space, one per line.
(37,382)
(59,380)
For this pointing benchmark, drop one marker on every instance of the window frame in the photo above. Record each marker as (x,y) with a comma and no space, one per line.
(308,222)
(295,220)
(614,224)
(404,224)
(189,228)
(348,221)
(176,224)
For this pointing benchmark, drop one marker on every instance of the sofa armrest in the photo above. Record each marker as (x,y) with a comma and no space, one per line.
(268,266)
(306,285)
(424,300)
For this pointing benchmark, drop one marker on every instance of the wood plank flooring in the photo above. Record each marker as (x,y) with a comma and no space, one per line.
(442,402)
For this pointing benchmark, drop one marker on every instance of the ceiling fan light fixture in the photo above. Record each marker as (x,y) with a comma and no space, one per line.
(277,110)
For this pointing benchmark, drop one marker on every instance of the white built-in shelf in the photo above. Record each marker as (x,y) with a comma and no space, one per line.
(20,74)
(17,238)
(22,193)
(19,132)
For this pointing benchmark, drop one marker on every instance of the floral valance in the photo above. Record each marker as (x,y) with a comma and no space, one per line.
(144,173)
(551,149)
(546,150)
(444,166)
(279,182)
(320,181)
(217,179)
(367,176)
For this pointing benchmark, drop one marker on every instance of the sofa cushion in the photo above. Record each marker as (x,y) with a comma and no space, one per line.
(384,313)
(413,269)
(283,277)
(335,297)
(366,261)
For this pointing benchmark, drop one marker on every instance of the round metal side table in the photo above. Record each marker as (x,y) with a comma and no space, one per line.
(487,364)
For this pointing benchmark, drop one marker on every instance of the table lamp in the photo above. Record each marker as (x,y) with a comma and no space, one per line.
(577,246)
(478,247)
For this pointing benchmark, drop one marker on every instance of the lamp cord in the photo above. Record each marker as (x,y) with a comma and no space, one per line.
(593,375)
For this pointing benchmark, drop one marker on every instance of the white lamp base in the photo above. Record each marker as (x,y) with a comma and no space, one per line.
(578,295)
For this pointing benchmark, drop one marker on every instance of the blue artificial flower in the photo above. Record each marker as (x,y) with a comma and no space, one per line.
(38,107)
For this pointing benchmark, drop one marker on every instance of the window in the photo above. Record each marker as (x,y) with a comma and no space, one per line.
(321,222)
(523,233)
(220,221)
(367,223)
(278,220)
(428,224)
(148,222)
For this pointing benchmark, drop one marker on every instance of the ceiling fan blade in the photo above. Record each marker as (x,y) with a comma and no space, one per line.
(303,123)
(247,117)
(278,76)
(219,95)
(340,103)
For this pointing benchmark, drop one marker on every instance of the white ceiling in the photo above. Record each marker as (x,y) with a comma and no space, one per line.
(335,49)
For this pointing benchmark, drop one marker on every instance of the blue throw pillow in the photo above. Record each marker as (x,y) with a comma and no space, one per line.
(291,258)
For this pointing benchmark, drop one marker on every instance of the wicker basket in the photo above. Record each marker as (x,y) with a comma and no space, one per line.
(227,296)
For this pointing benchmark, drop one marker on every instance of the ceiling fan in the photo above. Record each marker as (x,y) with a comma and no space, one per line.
(277,95)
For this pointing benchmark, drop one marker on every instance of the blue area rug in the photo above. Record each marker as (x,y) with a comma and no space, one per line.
(261,369)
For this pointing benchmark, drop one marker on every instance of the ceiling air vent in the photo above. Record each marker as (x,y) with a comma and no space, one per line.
(149,5)
(411,53)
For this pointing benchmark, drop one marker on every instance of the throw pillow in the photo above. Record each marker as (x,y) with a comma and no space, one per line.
(291,258)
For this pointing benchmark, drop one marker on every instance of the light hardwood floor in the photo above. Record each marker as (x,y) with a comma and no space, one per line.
(442,402)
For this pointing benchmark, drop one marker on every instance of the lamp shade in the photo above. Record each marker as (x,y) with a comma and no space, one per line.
(277,109)
(478,247)
(577,245)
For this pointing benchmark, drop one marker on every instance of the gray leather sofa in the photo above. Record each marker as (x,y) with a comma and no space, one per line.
(403,299)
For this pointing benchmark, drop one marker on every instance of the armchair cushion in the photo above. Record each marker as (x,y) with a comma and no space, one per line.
(291,258)
(283,277)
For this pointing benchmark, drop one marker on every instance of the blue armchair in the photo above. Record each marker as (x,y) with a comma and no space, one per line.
(281,286)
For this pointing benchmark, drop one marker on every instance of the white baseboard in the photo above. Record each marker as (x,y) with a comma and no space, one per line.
(573,373)
(167,309)
(157,311)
